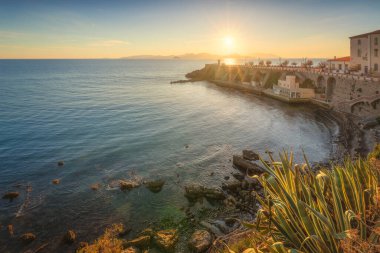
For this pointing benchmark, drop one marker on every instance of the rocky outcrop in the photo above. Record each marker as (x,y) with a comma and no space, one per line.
(166,239)
(200,241)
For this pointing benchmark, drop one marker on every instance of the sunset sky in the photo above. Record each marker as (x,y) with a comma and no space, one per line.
(113,29)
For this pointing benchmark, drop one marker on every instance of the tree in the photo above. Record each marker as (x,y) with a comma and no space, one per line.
(261,63)
(294,64)
(322,65)
(309,63)
(285,63)
(268,63)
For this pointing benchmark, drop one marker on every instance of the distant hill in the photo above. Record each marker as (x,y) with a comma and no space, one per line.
(201,56)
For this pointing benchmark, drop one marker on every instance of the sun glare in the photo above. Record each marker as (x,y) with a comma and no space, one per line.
(228,41)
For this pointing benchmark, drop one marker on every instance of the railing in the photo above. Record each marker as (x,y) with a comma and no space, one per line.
(313,70)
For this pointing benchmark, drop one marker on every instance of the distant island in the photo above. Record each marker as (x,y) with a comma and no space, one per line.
(201,56)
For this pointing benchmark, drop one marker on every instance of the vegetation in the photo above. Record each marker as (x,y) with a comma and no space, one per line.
(332,210)
(107,243)
(268,63)
(285,63)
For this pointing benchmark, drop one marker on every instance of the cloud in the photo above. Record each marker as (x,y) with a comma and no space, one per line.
(109,43)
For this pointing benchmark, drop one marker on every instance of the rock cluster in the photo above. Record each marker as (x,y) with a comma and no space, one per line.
(163,239)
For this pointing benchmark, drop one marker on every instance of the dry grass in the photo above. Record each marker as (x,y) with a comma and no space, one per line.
(107,243)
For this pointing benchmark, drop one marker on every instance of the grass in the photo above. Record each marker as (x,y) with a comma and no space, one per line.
(333,210)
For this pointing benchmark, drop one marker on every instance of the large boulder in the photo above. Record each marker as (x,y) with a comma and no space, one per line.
(166,239)
(250,155)
(200,241)
(27,237)
(247,166)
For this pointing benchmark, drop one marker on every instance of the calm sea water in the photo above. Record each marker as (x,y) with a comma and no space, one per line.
(110,119)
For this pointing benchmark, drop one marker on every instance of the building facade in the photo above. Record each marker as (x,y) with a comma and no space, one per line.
(339,65)
(365,53)
(290,88)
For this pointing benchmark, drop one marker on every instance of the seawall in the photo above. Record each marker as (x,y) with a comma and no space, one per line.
(354,95)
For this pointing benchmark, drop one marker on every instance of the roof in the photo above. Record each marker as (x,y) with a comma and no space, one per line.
(364,35)
(347,58)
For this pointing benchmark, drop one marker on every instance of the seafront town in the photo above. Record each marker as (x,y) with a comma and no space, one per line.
(349,84)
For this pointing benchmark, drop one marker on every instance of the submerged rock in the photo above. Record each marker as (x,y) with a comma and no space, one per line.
(195,191)
(166,239)
(69,237)
(250,155)
(141,242)
(95,186)
(56,181)
(27,237)
(11,195)
(200,241)
(61,163)
(128,184)
(155,185)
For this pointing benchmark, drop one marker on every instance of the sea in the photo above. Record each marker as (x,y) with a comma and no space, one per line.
(119,119)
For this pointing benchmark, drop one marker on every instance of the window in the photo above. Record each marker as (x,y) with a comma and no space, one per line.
(376,41)
(359,53)
(340,66)
(359,42)
(376,67)
(376,52)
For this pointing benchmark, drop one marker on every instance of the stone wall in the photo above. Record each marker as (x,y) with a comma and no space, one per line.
(346,93)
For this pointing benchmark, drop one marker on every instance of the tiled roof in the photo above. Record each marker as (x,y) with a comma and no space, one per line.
(365,34)
(347,58)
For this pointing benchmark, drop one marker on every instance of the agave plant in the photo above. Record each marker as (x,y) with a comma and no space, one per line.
(307,211)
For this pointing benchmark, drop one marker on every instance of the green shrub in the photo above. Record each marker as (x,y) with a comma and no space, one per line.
(332,210)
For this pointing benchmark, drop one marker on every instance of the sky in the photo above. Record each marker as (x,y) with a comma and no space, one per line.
(113,29)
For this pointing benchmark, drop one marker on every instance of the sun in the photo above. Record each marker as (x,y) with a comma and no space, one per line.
(228,41)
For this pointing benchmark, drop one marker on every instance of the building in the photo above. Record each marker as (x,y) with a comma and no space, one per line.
(339,65)
(365,55)
(290,88)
